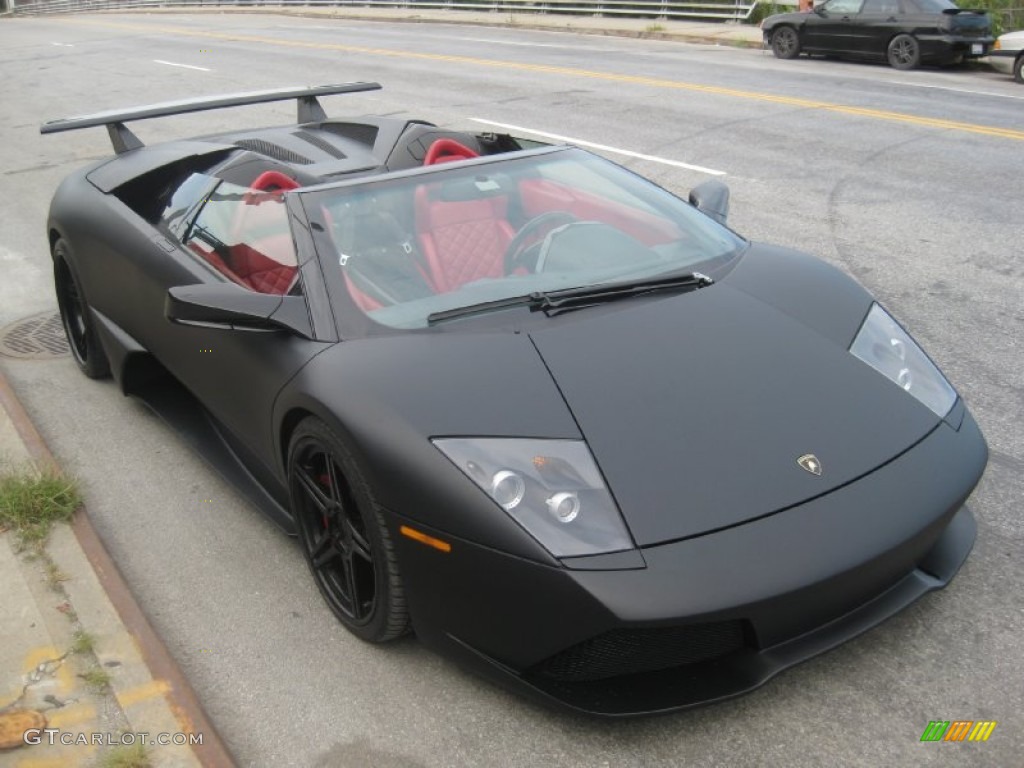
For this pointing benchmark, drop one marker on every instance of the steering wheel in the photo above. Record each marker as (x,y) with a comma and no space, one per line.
(528,239)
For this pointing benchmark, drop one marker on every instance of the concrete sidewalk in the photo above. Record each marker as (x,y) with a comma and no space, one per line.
(710,32)
(83,677)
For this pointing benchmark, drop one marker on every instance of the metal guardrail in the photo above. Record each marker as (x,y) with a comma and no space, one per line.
(725,10)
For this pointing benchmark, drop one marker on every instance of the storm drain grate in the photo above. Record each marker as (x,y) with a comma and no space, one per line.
(35,338)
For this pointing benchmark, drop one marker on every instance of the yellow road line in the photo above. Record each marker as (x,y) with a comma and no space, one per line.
(72,714)
(791,101)
(142,692)
(71,756)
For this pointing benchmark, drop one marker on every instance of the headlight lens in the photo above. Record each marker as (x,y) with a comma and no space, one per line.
(550,487)
(887,348)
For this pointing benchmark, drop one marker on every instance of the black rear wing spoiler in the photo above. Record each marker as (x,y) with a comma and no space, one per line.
(309,110)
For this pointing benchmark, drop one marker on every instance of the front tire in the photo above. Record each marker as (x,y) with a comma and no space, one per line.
(75,315)
(904,52)
(785,43)
(1018,69)
(343,535)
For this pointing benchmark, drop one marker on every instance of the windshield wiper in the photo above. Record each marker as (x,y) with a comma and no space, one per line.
(554,302)
(476,309)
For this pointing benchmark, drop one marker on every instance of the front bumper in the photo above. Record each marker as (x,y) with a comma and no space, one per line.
(1002,61)
(715,615)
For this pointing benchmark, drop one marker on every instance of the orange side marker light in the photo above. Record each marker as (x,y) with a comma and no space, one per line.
(423,538)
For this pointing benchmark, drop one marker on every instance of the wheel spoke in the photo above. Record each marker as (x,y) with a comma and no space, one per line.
(324,504)
(353,587)
(324,551)
(332,480)
(360,545)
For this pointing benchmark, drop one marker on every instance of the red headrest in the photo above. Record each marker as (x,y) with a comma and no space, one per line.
(273,180)
(447,150)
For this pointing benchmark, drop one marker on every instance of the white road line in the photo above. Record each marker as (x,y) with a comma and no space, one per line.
(958,90)
(183,66)
(602,147)
(63,45)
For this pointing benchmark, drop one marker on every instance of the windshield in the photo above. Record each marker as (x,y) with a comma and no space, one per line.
(411,246)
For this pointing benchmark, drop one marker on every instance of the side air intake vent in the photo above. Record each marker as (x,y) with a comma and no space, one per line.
(269,149)
(321,144)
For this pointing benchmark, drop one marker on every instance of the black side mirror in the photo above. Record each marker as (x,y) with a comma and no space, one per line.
(230,306)
(711,198)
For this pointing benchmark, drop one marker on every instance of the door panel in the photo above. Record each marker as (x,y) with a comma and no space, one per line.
(834,28)
(240,237)
(881,21)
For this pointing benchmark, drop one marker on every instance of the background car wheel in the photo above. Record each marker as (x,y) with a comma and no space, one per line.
(904,52)
(785,43)
(343,535)
(74,313)
(1018,69)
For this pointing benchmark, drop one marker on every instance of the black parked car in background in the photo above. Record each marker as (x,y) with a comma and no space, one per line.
(903,32)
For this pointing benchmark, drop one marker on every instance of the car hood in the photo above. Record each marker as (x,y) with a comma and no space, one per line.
(698,406)
(1012,40)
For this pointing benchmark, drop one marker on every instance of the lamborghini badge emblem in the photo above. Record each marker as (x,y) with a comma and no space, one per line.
(810,462)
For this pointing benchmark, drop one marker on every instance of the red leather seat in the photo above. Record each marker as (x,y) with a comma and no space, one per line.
(462,240)
(260,272)
(264,259)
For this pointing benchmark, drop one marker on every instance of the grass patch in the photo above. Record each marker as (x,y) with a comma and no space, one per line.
(650,29)
(134,756)
(83,643)
(55,576)
(31,502)
(96,678)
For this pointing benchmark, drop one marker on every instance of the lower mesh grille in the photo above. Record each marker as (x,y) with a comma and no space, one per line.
(631,651)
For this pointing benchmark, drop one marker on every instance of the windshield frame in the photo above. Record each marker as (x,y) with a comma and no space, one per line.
(353,323)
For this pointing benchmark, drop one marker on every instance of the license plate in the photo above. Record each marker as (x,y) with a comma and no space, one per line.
(977,49)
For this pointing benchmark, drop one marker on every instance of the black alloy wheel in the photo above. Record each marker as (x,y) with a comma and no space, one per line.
(74,314)
(904,52)
(343,535)
(785,43)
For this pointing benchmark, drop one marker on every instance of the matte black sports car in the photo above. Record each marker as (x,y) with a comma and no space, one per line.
(570,429)
(903,32)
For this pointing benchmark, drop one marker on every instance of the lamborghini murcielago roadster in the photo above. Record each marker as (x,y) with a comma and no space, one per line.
(568,428)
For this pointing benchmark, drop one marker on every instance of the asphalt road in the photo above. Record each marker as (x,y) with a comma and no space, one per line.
(909,181)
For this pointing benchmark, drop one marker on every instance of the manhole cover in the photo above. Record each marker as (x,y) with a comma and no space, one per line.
(35,338)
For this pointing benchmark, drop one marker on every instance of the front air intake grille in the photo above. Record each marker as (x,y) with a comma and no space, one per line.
(632,651)
(269,149)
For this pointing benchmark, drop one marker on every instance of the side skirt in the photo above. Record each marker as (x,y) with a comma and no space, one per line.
(177,408)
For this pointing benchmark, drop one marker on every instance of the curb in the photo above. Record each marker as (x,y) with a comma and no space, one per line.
(719,38)
(179,694)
